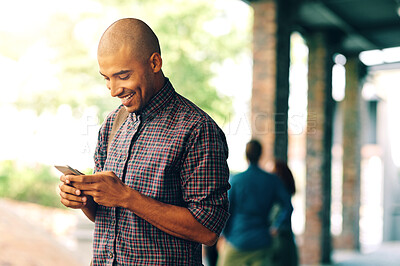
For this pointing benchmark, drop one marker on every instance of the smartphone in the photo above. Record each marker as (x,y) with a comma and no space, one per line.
(68,170)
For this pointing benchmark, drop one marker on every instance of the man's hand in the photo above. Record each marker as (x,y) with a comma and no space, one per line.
(70,196)
(105,187)
(73,197)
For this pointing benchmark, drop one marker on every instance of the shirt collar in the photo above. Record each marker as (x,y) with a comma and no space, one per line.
(157,102)
(253,165)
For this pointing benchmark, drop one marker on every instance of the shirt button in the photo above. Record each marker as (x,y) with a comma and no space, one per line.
(110,255)
(113,222)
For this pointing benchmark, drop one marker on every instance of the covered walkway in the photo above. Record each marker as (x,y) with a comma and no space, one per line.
(340,137)
(387,255)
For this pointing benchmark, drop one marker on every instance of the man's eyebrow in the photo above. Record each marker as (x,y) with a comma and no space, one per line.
(118,73)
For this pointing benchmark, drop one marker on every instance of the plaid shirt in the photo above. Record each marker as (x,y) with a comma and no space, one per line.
(175,153)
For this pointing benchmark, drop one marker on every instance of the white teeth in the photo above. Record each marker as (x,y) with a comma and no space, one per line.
(125,100)
(128,97)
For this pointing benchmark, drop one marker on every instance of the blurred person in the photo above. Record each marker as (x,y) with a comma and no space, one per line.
(285,249)
(254,192)
(159,188)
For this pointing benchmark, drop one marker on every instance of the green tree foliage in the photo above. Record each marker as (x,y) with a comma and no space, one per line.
(34,184)
(31,183)
(189,48)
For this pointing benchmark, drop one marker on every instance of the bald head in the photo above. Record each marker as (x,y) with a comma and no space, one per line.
(129,33)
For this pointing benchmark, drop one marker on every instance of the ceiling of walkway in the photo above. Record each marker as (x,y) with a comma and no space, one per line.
(363,24)
(366,24)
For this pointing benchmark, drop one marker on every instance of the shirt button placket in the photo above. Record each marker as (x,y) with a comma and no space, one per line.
(111,234)
(123,158)
(111,258)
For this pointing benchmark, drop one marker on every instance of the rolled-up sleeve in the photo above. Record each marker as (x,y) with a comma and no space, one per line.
(204,176)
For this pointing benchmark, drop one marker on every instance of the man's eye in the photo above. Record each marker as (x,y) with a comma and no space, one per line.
(125,77)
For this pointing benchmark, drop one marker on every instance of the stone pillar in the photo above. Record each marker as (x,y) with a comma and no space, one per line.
(271,61)
(317,239)
(349,239)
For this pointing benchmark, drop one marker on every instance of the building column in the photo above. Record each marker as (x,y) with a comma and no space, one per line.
(285,10)
(271,61)
(264,73)
(349,238)
(317,238)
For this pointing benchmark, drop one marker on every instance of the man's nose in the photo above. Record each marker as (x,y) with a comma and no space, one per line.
(115,90)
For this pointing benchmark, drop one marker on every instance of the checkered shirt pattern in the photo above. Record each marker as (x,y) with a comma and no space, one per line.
(175,153)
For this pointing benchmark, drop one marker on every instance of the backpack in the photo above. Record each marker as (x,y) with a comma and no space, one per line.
(120,118)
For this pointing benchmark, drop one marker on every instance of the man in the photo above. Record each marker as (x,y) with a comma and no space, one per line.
(252,196)
(160,185)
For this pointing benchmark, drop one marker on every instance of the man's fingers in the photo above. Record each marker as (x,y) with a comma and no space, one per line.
(89,178)
(71,200)
(63,178)
(86,186)
(72,204)
(70,190)
(92,193)
(81,178)
(72,197)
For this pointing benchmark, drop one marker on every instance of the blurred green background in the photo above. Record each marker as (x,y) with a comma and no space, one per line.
(54,100)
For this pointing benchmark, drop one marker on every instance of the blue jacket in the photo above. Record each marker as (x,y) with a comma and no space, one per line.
(253,194)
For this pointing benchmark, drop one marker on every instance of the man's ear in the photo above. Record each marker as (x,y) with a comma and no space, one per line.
(156,62)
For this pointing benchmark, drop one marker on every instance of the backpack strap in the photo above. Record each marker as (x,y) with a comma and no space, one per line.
(120,118)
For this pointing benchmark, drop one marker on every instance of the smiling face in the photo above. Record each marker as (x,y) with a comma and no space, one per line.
(129,78)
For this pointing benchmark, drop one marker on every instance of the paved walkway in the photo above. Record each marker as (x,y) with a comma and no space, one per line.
(388,254)
(31,235)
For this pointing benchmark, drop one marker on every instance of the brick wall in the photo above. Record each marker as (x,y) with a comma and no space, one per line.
(349,239)
(317,248)
(264,76)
